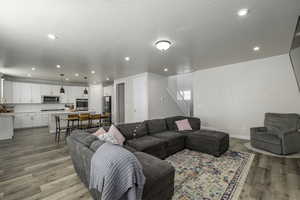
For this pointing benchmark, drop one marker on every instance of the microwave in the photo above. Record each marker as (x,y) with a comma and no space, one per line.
(82,104)
(50,99)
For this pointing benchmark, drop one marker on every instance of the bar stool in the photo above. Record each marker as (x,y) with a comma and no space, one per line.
(94,117)
(59,129)
(106,119)
(72,118)
(84,117)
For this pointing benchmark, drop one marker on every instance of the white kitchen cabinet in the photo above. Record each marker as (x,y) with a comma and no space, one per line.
(29,120)
(7,92)
(35,93)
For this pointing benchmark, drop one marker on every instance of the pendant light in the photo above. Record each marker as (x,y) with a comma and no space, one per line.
(62,90)
(85,91)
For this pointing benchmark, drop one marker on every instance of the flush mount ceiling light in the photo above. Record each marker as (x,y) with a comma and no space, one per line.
(107,78)
(58,66)
(243,12)
(29,75)
(256,48)
(51,36)
(127,58)
(67,79)
(93,72)
(33,69)
(77,74)
(163,45)
(166,69)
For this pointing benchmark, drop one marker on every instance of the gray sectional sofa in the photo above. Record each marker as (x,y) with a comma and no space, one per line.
(150,141)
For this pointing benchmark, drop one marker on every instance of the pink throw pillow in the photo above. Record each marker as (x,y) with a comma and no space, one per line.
(99,132)
(117,135)
(183,125)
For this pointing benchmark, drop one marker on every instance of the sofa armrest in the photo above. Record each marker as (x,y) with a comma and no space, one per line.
(290,141)
(258,129)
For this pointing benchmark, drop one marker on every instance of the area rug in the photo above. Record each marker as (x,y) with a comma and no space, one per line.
(201,176)
(248,146)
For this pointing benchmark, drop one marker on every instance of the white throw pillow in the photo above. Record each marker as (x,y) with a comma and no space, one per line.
(108,137)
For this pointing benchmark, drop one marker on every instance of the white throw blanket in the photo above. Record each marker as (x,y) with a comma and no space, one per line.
(116,173)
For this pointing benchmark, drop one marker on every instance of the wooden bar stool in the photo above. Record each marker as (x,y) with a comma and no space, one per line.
(59,129)
(72,118)
(97,118)
(106,119)
(84,117)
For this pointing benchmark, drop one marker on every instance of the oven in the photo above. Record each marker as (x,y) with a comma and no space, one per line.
(82,104)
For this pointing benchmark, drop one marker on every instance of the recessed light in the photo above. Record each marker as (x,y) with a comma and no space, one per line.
(166,69)
(76,74)
(256,48)
(67,79)
(243,12)
(127,58)
(33,69)
(163,45)
(51,36)
(58,66)
(29,75)
(93,72)
(107,78)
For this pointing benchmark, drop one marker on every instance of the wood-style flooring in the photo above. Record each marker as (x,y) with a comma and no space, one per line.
(33,167)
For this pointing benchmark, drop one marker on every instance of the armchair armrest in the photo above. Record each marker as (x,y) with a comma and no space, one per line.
(290,141)
(258,129)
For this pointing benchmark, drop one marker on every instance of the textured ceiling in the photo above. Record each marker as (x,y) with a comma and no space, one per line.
(98,34)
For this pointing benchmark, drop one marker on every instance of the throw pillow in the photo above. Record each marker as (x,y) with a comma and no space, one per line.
(108,137)
(183,125)
(100,131)
(117,134)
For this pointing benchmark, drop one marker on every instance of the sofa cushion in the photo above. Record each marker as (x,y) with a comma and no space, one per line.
(195,123)
(84,138)
(171,122)
(266,137)
(133,130)
(170,136)
(145,142)
(156,125)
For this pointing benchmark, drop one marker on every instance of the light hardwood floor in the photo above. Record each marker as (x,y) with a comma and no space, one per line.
(33,167)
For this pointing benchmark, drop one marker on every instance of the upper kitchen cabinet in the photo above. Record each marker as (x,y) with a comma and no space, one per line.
(49,90)
(26,93)
(35,93)
(7,92)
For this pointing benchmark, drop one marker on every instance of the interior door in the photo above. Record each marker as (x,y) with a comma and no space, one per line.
(120,111)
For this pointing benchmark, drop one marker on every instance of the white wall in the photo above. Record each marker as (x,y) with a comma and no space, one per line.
(235,97)
(136,99)
(96,98)
(108,90)
(161,104)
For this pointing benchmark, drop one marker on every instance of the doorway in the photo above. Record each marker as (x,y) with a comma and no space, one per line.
(120,103)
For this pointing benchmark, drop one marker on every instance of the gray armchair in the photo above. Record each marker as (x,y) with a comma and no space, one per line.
(280,134)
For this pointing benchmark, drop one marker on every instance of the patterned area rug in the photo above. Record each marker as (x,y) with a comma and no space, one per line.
(201,176)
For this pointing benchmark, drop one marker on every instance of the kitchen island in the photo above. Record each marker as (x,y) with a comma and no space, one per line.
(63,115)
(6,126)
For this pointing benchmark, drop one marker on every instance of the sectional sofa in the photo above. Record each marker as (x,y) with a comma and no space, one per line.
(150,141)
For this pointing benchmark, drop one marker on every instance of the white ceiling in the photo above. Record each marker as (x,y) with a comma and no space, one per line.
(98,34)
